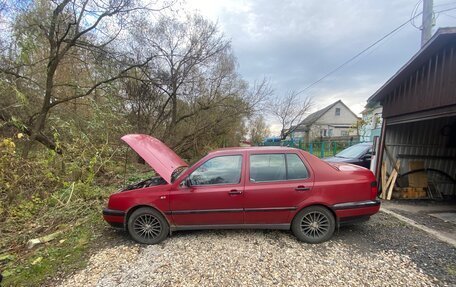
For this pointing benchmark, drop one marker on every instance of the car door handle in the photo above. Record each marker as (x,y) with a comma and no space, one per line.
(234,191)
(302,188)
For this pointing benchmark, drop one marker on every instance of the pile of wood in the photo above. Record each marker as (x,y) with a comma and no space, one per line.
(411,193)
(418,186)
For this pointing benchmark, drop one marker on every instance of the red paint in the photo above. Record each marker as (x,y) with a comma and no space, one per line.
(163,160)
(326,185)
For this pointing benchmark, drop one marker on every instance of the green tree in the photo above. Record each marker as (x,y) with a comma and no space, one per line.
(258,130)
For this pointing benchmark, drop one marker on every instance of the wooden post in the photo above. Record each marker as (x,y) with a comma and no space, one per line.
(383,172)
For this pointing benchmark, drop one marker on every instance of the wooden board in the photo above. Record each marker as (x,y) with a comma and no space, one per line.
(392,179)
(417,179)
(384,186)
(393,182)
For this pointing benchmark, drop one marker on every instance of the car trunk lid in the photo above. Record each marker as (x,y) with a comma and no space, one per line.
(160,157)
(355,169)
(347,167)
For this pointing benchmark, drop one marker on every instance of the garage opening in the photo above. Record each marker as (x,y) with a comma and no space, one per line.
(424,153)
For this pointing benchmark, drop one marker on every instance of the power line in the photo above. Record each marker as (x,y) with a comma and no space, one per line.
(451,16)
(413,15)
(366,49)
(445,4)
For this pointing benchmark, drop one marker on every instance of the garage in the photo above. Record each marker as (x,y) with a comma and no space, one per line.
(417,147)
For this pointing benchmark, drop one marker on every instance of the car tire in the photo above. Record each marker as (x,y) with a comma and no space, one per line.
(314,224)
(147,226)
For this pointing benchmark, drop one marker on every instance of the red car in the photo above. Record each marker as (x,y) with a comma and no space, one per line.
(252,187)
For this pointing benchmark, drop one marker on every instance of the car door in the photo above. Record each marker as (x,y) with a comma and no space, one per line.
(276,184)
(212,194)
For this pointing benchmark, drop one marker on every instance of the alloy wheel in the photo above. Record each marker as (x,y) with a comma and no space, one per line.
(147,226)
(315,224)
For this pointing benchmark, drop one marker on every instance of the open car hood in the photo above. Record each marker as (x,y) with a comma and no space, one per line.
(160,157)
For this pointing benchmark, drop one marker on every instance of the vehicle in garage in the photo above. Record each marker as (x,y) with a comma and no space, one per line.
(251,187)
(359,154)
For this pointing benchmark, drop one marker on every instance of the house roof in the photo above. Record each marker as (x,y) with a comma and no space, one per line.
(442,37)
(312,118)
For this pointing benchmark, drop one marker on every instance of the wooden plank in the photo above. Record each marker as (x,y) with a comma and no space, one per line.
(392,179)
(384,186)
(390,189)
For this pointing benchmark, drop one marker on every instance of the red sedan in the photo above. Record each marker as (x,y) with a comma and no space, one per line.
(253,187)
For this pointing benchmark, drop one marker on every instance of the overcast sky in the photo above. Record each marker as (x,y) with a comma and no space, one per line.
(295,42)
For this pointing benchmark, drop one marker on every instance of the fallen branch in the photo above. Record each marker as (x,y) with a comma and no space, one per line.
(71,193)
(33,242)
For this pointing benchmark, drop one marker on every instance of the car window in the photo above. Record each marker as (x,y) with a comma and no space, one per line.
(353,152)
(267,167)
(218,170)
(295,167)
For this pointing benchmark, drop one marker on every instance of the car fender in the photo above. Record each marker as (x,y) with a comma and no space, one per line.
(130,210)
(318,201)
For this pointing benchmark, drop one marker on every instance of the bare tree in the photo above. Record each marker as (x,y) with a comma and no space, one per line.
(290,111)
(193,77)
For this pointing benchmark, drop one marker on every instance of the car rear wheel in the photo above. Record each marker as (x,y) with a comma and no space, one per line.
(314,224)
(147,226)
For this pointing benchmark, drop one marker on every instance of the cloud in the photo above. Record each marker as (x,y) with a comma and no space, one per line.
(295,42)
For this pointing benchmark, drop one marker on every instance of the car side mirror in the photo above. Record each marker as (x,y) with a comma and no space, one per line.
(188,182)
(367,156)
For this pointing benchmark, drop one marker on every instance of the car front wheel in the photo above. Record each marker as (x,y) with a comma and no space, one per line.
(314,224)
(147,226)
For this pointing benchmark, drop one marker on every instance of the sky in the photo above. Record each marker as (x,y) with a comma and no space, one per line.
(294,43)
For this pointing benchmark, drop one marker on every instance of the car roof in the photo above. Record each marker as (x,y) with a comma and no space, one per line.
(365,143)
(254,148)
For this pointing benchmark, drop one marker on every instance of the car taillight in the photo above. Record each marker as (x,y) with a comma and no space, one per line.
(374,190)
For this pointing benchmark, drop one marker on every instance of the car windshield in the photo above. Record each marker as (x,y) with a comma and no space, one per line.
(353,152)
(177,172)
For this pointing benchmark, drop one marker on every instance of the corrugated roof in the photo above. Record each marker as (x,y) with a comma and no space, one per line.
(440,38)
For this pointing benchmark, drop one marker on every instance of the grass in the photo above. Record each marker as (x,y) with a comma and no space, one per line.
(43,263)
(82,223)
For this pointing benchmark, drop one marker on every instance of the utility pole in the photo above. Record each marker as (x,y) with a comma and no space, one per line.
(426,28)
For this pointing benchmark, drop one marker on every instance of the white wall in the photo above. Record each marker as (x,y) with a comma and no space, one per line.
(346,117)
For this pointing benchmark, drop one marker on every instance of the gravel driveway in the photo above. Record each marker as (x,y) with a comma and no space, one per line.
(381,252)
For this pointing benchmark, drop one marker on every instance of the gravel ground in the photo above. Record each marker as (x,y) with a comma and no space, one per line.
(381,252)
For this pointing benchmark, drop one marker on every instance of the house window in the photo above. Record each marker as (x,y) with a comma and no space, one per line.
(330,132)
(376,121)
(337,111)
(344,133)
